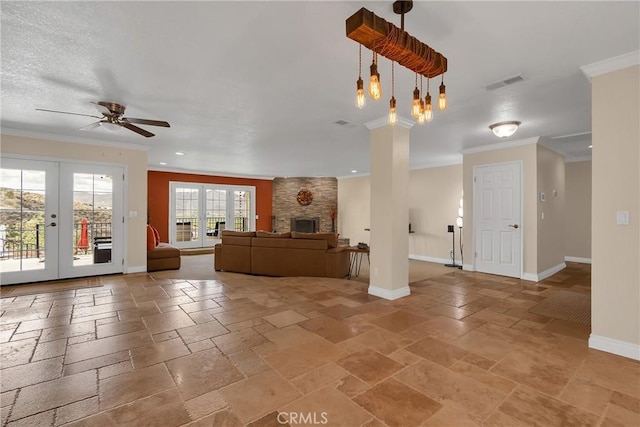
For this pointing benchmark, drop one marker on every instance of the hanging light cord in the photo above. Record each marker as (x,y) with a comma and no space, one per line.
(360,61)
(393,80)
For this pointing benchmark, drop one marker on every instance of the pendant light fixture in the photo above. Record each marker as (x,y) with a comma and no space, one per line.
(428,109)
(361,100)
(442,98)
(395,44)
(393,118)
(415,105)
(375,90)
(420,118)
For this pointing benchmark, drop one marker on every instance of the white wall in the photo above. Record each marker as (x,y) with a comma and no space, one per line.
(434,197)
(615,288)
(135,162)
(577,216)
(551,182)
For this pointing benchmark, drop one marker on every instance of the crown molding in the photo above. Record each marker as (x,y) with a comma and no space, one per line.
(501,145)
(72,139)
(382,121)
(576,159)
(207,173)
(612,64)
(413,168)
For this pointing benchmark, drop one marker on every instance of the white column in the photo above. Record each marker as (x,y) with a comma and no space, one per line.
(389,242)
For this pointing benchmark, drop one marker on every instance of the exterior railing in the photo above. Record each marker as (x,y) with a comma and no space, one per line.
(30,242)
(187,227)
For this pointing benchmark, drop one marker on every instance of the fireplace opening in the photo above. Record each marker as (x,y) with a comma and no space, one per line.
(303,224)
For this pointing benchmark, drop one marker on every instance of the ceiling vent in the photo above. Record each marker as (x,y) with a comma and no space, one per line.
(505,82)
(346,124)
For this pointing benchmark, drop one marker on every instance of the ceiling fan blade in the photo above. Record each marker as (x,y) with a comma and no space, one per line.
(103,110)
(66,112)
(91,126)
(146,122)
(136,129)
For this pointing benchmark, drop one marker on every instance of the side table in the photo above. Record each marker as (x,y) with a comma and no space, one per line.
(355,261)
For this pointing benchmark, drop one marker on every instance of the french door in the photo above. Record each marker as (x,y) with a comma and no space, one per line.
(59,220)
(497,217)
(200,212)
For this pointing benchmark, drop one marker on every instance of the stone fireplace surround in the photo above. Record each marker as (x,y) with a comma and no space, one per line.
(285,205)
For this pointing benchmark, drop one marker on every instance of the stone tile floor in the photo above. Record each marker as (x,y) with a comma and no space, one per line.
(462,350)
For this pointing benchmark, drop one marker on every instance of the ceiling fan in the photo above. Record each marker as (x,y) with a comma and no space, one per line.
(112,118)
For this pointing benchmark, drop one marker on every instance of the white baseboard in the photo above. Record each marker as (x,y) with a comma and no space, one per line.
(136,269)
(578,259)
(621,348)
(532,277)
(388,293)
(468,267)
(431,259)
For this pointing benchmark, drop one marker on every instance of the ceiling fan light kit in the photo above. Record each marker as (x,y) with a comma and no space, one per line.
(504,129)
(112,119)
(395,44)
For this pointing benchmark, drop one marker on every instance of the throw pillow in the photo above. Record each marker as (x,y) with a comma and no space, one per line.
(151,239)
(156,234)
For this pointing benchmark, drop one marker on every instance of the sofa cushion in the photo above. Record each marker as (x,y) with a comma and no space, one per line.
(331,238)
(231,233)
(270,242)
(286,235)
(236,241)
(163,250)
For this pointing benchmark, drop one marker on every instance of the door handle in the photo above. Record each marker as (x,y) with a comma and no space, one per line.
(514,225)
(53,224)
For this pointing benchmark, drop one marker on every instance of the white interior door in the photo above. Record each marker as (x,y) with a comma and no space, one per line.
(28,221)
(497,213)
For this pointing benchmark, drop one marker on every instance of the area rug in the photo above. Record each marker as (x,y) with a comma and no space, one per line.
(565,305)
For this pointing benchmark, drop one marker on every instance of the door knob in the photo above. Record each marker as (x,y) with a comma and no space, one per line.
(53,224)
(513,225)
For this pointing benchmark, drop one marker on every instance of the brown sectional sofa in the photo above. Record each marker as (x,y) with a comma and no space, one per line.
(285,254)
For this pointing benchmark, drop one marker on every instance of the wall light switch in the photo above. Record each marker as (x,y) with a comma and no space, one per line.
(542,197)
(622,218)
(257,216)
(133,214)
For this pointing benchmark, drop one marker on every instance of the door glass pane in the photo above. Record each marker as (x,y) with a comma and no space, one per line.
(92,218)
(22,220)
(241,209)
(187,214)
(216,213)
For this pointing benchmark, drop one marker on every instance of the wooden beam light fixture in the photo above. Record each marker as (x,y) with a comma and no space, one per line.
(385,39)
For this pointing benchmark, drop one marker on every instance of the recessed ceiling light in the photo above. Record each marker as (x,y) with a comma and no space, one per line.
(163,163)
(354,171)
(179,153)
(591,146)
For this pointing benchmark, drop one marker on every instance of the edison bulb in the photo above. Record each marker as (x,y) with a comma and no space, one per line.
(393,118)
(360,98)
(442,98)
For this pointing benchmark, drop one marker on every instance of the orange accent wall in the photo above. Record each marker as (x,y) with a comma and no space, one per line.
(158,197)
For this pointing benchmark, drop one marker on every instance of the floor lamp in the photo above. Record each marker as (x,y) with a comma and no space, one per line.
(451,229)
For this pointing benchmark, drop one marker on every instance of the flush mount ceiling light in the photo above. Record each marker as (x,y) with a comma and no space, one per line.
(395,44)
(504,129)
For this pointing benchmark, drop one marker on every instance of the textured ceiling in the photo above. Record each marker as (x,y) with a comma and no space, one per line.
(255,88)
